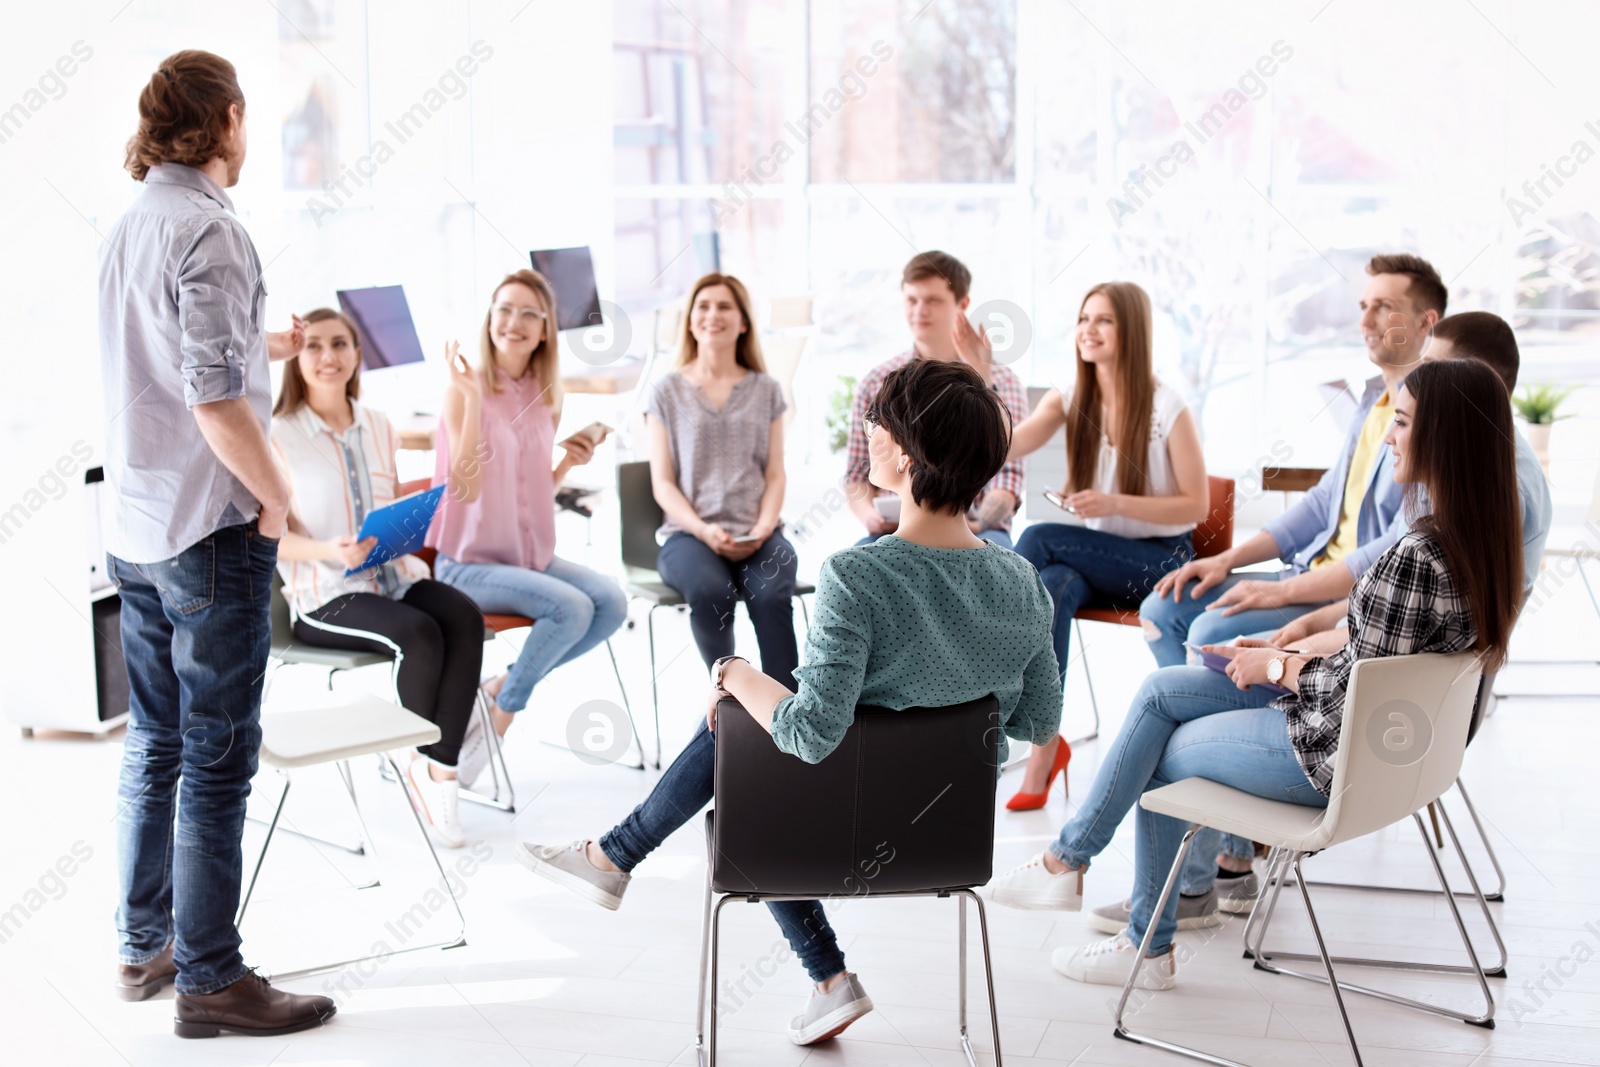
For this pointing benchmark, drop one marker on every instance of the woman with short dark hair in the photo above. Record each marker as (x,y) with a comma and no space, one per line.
(932,592)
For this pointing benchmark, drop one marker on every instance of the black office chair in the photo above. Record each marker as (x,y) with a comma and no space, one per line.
(868,821)
(641,518)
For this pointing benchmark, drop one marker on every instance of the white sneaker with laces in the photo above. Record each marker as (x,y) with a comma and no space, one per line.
(828,1014)
(1033,887)
(440,803)
(1108,962)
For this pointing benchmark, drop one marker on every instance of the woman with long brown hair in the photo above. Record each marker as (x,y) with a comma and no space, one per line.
(495,530)
(338,456)
(716,467)
(1136,482)
(1450,584)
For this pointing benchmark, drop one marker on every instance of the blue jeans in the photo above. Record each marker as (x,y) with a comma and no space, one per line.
(196,632)
(1186,722)
(1200,868)
(1190,621)
(995,536)
(573,609)
(683,790)
(713,584)
(1080,567)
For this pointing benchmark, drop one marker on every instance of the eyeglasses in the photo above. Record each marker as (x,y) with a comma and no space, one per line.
(528,316)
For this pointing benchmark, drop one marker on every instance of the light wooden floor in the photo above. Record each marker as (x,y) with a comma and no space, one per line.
(549,979)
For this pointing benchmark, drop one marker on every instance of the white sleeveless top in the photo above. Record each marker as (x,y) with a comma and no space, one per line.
(1167,406)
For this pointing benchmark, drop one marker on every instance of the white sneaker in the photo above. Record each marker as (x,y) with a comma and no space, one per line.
(474,758)
(1108,962)
(439,802)
(828,1014)
(1034,888)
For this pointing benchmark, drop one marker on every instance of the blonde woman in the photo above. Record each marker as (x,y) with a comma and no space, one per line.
(1136,478)
(495,530)
(716,466)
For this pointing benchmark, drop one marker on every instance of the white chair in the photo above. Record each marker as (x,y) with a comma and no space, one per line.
(1401,743)
(361,726)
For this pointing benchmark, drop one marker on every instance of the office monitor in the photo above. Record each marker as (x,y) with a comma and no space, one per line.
(570,272)
(383,319)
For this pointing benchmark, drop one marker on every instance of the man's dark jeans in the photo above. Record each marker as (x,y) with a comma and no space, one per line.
(196,632)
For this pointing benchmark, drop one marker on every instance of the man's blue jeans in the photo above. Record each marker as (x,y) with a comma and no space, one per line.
(1190,621)
(1186,722)
(1079,566)
(683,790)
(196,632)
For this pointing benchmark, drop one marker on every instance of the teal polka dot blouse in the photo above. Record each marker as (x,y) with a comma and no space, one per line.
(899,625)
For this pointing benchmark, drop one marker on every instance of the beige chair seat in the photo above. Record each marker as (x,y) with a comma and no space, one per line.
(340,730)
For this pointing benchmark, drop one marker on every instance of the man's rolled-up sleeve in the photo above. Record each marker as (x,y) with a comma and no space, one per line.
(216,289)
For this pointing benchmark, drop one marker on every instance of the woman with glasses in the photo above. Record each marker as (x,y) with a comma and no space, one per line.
(716,468)
(495,530)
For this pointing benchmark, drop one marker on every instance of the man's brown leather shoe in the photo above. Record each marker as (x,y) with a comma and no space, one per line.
(249,1006)
(141,981)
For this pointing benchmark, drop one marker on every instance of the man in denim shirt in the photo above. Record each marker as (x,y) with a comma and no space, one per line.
(1327,540)
(198,510)
(1348,519)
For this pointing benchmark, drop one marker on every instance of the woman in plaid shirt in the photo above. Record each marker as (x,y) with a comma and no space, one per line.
(1450,584)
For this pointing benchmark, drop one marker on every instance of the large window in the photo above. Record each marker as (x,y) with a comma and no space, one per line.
(1241,161)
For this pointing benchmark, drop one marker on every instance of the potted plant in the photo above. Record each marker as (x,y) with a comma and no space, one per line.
(838,417)
(1538,404)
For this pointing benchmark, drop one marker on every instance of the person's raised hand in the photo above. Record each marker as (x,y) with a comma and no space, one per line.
(463,378)
(973,345)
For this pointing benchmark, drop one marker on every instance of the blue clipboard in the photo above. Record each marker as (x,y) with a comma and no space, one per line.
(400,527)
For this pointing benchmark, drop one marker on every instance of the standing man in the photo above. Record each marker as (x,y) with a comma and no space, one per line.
(935,286)
(199,507)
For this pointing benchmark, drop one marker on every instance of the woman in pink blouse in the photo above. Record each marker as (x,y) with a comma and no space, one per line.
(495,530)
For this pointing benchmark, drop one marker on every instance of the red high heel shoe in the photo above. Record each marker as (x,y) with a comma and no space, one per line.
(1030,801)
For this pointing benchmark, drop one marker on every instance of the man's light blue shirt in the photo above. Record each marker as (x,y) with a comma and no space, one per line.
(181,304)
(1304,530)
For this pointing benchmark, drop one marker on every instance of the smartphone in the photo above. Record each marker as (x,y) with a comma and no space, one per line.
(594,432)
(744,539)
(1059,501)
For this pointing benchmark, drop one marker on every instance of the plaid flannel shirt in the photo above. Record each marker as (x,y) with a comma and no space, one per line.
(1405,603)
(857,460)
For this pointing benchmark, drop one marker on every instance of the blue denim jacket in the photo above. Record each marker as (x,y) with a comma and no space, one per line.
(1303,531)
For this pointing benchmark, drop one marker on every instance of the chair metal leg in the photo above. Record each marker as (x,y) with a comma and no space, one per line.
(627,706)
(272,828)
(1494,860)
(804,614)
(655,696)
(1144,946)
(708,1051)
(457,941)
(1433,816)
(705,952)
(504,797)
(1263,959)
(988,973)
(1088,676)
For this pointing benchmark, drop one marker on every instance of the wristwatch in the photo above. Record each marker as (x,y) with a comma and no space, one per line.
(1275,669)
(719,668)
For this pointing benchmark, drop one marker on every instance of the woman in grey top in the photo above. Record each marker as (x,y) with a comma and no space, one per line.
(716,466)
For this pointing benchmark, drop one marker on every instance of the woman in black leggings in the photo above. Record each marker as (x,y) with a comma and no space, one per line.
(339,458)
